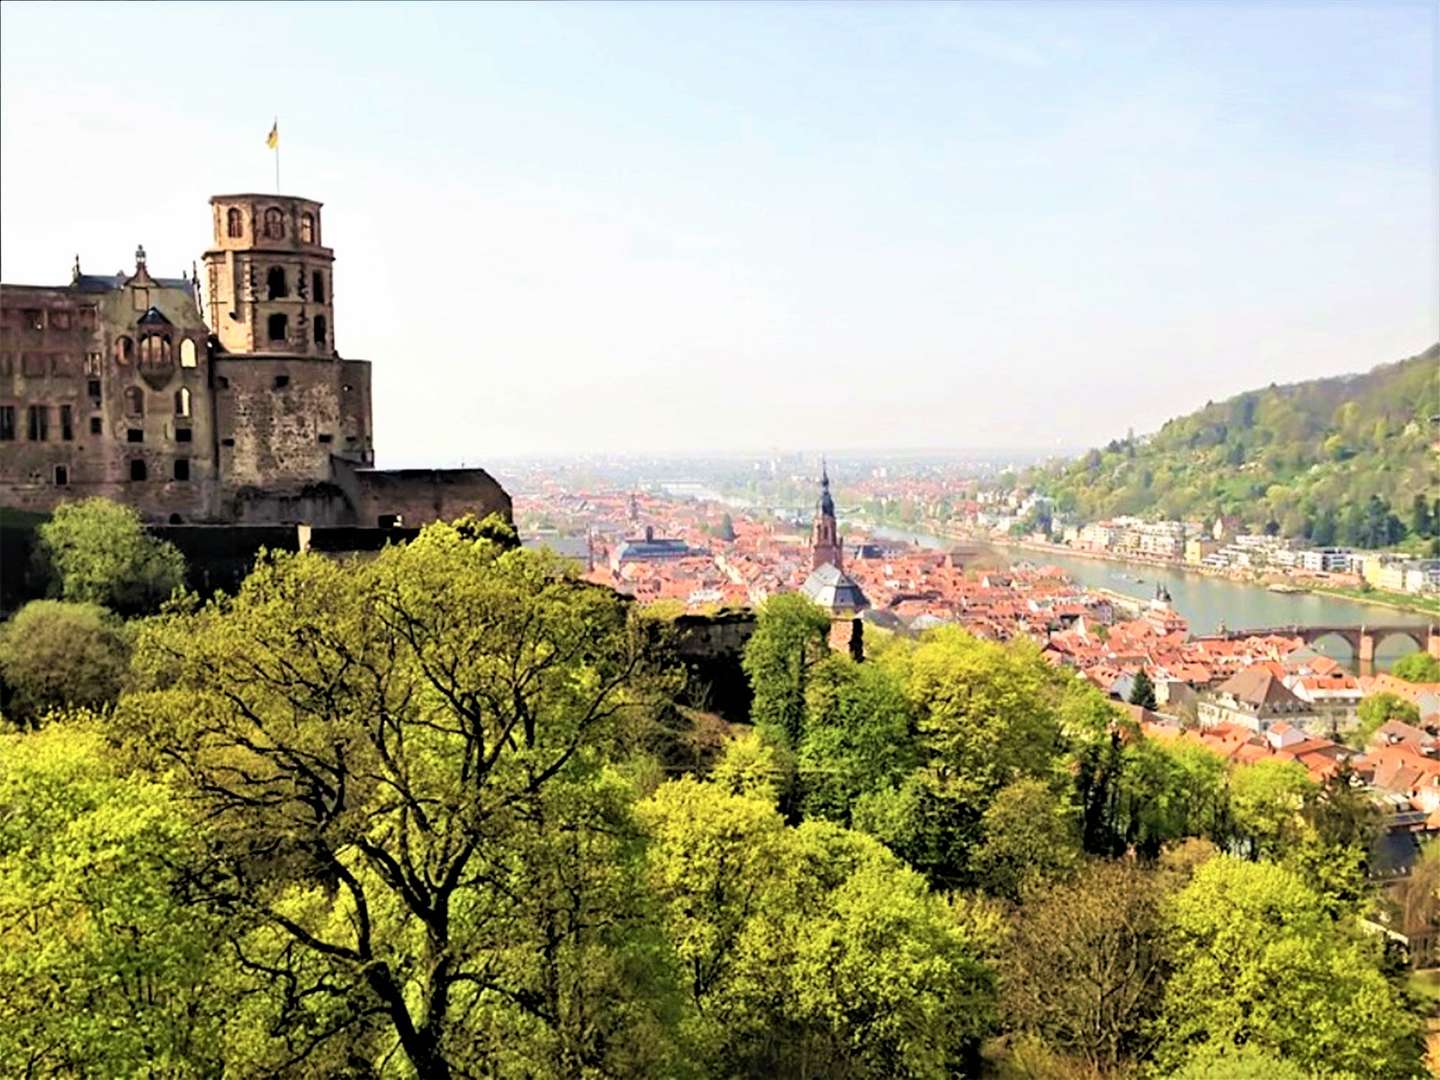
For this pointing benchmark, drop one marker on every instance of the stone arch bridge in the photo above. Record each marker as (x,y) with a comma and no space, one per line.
(1363,640)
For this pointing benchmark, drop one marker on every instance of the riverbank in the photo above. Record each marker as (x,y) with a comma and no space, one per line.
(1372,598)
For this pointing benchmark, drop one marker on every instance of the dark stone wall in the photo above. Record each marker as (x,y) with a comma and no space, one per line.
(414,497)
(711,648)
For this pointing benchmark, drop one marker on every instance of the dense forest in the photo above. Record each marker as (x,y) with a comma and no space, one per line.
(1344,460)
(451,812)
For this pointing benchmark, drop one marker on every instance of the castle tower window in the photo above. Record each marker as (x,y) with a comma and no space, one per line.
(134,435)
(38,421)
(7,423)
(233,224)
(137,469)
(124,350)
(95,425)
(182,468)
(319,287)
(320,329)
(275,285)
(93,387)
(182,402)
(282,381)
(274,224)
(62,476)
(278,327)
(183,435)
(187,353)
(67,424)
(134,401)
(307,228)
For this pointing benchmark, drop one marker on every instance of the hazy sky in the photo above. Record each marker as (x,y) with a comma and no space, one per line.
(679,226)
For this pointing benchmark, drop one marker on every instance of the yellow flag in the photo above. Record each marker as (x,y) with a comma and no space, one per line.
(273,139)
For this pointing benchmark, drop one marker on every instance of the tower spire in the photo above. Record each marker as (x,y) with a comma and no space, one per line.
(825,535)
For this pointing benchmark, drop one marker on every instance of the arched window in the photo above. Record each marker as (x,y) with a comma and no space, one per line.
(319,289)
(278,326)
(182,402)
(275,285)
(167,353)
(187,352)
(234,225)
(274,223)
(155,349)
(134,401)
(137,469)
(124,350)
(307,228)
(320,329)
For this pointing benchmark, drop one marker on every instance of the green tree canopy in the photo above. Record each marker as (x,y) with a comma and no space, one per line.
(790,638)
(1417,667)
(97,552)
(55,654)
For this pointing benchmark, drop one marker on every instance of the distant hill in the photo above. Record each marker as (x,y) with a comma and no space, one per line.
(1348,460)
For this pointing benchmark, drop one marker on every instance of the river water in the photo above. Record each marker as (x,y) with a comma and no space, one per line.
(1207,602)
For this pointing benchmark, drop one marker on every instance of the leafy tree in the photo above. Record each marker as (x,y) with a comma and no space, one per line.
(1142,690)
(55,654)
(790,638)
(1085,963)
(104,969)
(754,766)
(1377,710)
(97,552)
(1259,962)
(857,736)
(1030,838)
(382,749)
(809,951)
(1266,802)
(1226,1061)
(1417,667)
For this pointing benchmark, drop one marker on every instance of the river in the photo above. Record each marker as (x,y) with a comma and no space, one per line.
(1209,601)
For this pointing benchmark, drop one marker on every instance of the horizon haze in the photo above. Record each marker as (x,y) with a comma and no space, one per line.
(707,228)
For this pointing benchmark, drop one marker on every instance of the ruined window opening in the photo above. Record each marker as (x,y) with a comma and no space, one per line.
(134,401)
(134,435)
(62,476)
(275,285)
(282,381)
(391,521)
(187,353)
(137,469)
(274,224)
(326,437)
(176,519)
(182,402)
(95,425)
(34,319)
(234,225)
(182,434)
(67,424)
(307,227)
(7,423)
(182,468)
(38,421)
(124,350)
(319,287)
(93,387)
(320,329)
(223,383)
(278,327)
(227,442)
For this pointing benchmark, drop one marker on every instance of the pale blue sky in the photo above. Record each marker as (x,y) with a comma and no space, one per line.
(683,226)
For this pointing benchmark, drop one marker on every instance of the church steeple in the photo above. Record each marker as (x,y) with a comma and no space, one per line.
(825,535)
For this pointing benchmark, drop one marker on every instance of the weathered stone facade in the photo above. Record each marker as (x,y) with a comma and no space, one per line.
(117,386)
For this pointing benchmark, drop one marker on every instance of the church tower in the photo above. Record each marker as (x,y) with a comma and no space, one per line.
(269,278)
(825,535)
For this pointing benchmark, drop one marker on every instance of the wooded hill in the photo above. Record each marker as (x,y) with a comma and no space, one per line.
(1348,459)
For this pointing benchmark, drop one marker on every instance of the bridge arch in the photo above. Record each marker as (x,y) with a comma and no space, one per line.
(1348,634)
(1420,635)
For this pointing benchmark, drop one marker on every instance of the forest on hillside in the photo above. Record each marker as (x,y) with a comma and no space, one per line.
(450,812)
(1347,460)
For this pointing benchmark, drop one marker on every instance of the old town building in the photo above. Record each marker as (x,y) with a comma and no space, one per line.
(121,386)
